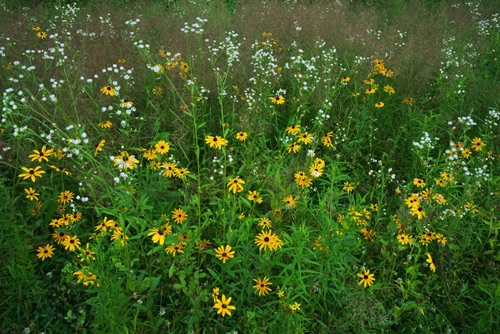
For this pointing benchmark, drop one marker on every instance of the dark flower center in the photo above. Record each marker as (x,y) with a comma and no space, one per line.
(224,254)
(224,306)
(266,239)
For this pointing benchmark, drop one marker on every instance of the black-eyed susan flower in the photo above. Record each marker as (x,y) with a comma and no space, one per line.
(224,253)
(266,239)
(235,185)
(87,253)
(105,124)
(99,146)
(169,169)
(175,249)
(262,286)
(419,182)
(293,147)
(345,79)
(265,222)
(215,294)
(409,101)
(419,212)
(278,99)
(108,90)
(389,90)
(65,197)
(294,307)
(327,139)
(60,237)
(293,129)
(60,169)
(366,278)
(157,235)
(478,144)
(429,260)
(241,136)
(181,172)
(179,216)
(348,187)
(440,238)
(302,179)
(290,201)
(41,34)
(72,243)
(45,252)
(254,196)
(127,104)
(216,142)
(32,173)
(31,194)
(43,154)
(157,90)
(379,104)
(371,90)
(223,307)
(305,138)
(162,147)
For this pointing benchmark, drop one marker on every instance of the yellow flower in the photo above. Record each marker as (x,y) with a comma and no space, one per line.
(293,129)
(43,154)
(99,146)
(179,215)
(216,142)
(345,79)
(431,262)
(254,196)
(223,307)
(105,125)
(379,105)
(293,147)
(108,90)
(31,194)
(162,147)
(305,138)
(32,173)
(419,182)
(41,34)
(65,197)
(348,187)
(262,286)
(389,90)
(224,253)
(174,249)
(366,278)
(290,201)
(71,243)
(278,99)
(478,144)
(45,252)
(235,185)
(242,136)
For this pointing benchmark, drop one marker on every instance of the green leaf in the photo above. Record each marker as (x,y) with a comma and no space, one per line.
(171,270)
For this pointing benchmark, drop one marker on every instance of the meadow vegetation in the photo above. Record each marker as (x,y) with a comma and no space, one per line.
(249,167)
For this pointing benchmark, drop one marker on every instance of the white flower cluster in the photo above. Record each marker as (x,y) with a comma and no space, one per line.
(425,142)
(196,28)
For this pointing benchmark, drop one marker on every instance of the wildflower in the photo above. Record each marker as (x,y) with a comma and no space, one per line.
(278,99)
(294,307)
(293,147)
(43,154)
(424,239)
(87,254)
(41,34)
(389,90)
(441,182)
(441,239)
(157,235)
(179,216)
(478,144)
(241,136)
(262,286)
(71,243)
(371,90)
(223,307)
(45,252)
(379,104)
(175,249)
(215,293)
(224,253)
(241,216)
(36,28)
(366,278)
(60,237)
(305,138)
(184,67)
(170,168)
(216,142)
(315,170)
(235,185)
(98,147)
(290,201)
(413,201)
(108,90)
(348,187)
(127,103)
(293,129)
(327,139)
(157,90)
(404,239)
(65,197)
(32,173)
(368,234)
(466,153)
(302,179)
(265,222)
(162,147)
(31,194)
(254,196)
(181,172)
(419,182)
(266,239)
(408,101)
(431,262)
(419,212)
(345,79)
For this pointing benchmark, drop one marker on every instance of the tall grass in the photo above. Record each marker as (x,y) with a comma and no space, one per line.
(255,167)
